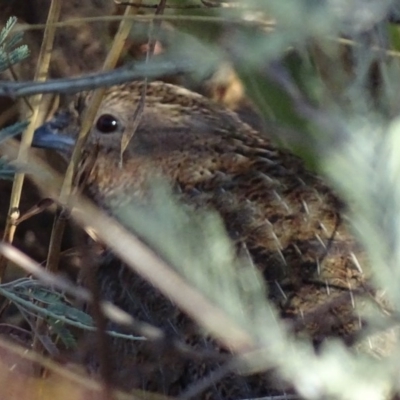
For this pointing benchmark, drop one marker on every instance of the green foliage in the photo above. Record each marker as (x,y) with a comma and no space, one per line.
(12,130)
(7,171)
(10,55)
(62,332)
(34,299)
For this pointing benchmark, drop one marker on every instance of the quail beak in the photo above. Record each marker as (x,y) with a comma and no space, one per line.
(48,136)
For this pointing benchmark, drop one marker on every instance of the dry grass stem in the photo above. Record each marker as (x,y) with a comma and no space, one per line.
(110,63)
(267,24)
(36,120)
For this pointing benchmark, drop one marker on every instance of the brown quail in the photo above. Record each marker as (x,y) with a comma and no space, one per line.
(287,218)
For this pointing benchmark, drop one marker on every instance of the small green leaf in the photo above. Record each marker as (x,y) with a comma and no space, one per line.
(12,130)
(7,29)
(45,296)
(6,171)
(71,313)
(63,333)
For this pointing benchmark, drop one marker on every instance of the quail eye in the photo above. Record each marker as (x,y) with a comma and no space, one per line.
(107,123)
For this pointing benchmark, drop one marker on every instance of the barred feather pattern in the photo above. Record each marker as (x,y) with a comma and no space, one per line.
(285,217)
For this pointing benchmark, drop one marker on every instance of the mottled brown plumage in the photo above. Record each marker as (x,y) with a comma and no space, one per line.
(287,218)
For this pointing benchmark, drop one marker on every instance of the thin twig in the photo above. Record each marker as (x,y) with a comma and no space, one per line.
(110,63)
(93,81)
(194,390)
(205,3)
(154,29)
(38,208)
(209,19)
(15,77)
(66,188)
